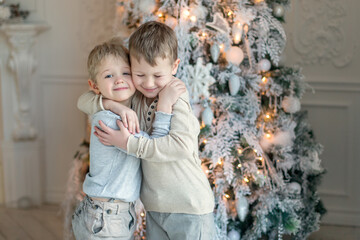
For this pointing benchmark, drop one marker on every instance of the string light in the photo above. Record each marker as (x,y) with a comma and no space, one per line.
(268,135)
(219,162)
(264,79)
(230,13)
(186,13)
(255,150)
(240,151)
(237,38)
(193,18)
(239,165)
(142,214)
(222,47)
(160,15)
(267,116)
(227,195)
(205,141)
(246,179)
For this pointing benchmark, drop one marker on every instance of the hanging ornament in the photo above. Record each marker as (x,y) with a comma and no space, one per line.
(291,104)
(264,65)
(234,84)
(278,10)
(242,207)
(235,55)
(233,235)
(215,52)
(198,10)
(199,80)
(197,108)
(219,23)
(171,22)
(294,188)
(145,6)
(207,116)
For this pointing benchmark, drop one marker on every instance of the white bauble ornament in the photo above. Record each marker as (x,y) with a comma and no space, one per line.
(264,65)
(278,10)
(207,116)
(242,207)
(145,6)
(215,52)
(234,85)
(197,108)
(235,55)
(283,138)
(291,104)
(233,235)
(294,188)
(171,22)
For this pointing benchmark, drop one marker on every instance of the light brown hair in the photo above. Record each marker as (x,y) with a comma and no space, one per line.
(113,47)
(151,40)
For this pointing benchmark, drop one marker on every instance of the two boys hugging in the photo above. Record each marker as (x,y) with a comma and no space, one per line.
(163,168)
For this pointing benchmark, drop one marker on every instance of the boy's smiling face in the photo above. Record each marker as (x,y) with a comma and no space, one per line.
(113,80)
(149,80)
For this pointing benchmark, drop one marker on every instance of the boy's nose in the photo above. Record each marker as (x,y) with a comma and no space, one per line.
(119,80)
(148,83)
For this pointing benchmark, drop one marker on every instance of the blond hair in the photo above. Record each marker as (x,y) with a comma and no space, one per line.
(151,40)
(113,47)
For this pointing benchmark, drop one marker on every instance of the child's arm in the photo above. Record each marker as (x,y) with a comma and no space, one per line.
(91,103)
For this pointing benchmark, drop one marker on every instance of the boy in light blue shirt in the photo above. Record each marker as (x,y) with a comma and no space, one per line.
(114,179)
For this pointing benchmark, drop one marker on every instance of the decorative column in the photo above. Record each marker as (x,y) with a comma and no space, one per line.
(21,38)
(19,146)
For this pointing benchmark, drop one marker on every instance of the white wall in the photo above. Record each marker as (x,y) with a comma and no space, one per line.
(323,39)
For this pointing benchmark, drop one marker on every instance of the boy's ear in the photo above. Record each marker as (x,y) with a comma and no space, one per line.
(93,86)
(175,66)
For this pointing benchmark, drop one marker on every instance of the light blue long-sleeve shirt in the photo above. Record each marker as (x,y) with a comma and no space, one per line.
(113,173)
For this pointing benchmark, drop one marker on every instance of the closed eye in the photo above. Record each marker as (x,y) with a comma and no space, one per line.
(140,75)
(158,76)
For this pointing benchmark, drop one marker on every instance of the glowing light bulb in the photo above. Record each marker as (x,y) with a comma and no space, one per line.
(227,196)
(219,162)
(160,15)
(186,13)
(268,135)
(255,150)
(240,151)
(267,116)
(246,179)
(207,171)
(237,38)
(204,34)
(193,18)
(221,47)
(239,165)
(142,214)
(264,79)
(230,13)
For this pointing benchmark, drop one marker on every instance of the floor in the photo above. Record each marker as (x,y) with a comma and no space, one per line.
(46,223)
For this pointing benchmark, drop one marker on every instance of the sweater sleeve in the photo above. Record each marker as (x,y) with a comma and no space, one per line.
(177,145)
(90,103)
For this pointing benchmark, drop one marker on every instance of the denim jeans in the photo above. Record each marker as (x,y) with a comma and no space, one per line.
(104,220)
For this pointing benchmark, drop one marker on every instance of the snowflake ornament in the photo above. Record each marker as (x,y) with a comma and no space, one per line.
(199,80)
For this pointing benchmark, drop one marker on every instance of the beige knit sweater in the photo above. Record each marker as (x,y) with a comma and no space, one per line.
(173,181)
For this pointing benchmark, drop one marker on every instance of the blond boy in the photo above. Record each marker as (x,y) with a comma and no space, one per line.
(175,191)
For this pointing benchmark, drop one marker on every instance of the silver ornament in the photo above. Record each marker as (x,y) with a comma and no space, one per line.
(242,207)
(294,188)
(234,85)
(264,65)
(207,116)
(278,10)
(291,104)
(233,235)
(215,52)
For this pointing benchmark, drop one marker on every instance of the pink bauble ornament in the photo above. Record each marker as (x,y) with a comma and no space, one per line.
(235,55)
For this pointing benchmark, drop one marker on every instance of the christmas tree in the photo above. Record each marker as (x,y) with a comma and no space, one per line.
(258,150)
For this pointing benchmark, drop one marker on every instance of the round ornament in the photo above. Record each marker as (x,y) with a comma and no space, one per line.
(235,55)
(146,6)
(278,10)
(207,116)
(171,22)
(215,52)
(197,108)
(242,207)
(264,65)
(233,235)
(294,188)
(291,104)
(234,85)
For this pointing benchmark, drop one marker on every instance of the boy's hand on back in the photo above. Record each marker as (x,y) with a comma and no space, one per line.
(170,94)
(111,137)
(128,116)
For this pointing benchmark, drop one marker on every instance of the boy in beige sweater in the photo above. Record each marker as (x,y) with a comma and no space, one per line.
(174,191)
